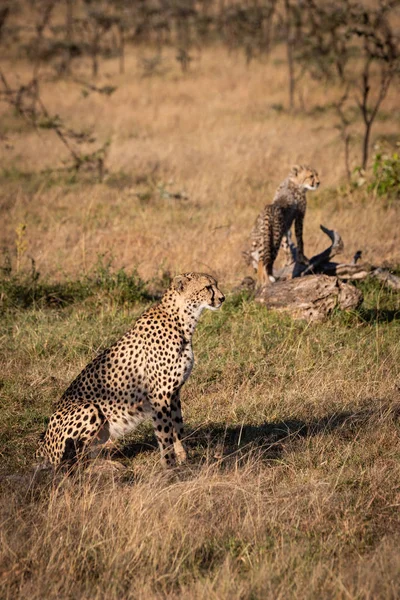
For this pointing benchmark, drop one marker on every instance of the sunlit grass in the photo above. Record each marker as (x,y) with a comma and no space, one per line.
(291,488)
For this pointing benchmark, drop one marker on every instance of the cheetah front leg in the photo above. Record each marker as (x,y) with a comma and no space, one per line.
(177,423)
(163,430)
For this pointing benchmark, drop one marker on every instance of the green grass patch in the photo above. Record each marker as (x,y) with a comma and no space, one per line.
(266,373)
(292,431)
(23,290)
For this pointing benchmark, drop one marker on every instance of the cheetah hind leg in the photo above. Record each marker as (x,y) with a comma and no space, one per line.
(86,443)
(95,441)
(101,442)
(74,435)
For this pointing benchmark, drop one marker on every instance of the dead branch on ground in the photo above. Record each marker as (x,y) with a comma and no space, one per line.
(313,291)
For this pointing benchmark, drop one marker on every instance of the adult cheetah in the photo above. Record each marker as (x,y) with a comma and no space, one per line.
(140,376)
(274,222)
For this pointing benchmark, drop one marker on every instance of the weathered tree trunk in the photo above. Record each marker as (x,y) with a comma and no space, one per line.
(312,298)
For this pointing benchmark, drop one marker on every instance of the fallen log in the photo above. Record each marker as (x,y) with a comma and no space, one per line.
(313,291)
(312,298)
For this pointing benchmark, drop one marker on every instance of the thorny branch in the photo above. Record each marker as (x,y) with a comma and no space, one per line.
(16,99)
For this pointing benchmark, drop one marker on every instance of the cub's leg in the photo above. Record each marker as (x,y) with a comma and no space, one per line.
(298,228)
(286,247)
(262,274)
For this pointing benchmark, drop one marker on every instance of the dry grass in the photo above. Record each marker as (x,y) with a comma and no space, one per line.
(292,488)
(252,527)
(291,491)
(214,135)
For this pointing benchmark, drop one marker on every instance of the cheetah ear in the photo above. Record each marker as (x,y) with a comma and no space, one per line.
(180,282)
(295,169)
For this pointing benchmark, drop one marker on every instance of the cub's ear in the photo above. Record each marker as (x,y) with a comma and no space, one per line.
(295,170)
(180,282)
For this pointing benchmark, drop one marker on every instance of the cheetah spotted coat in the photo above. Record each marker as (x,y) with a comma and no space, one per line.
(140,376)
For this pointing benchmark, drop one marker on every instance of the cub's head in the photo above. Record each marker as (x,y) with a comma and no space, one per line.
(305,177)
(198,290)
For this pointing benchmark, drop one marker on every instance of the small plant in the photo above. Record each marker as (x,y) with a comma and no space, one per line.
(25,288)
(386,174)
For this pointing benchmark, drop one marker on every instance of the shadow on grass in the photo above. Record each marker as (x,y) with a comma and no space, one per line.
(214,442)
(375,315)
(219,441)
(24,290)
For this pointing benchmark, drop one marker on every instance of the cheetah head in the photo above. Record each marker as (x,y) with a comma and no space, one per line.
(305,177)
(199,290)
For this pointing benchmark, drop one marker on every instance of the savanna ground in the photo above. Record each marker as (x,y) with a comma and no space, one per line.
(292,487)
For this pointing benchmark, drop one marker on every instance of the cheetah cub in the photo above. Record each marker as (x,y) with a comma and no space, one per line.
(140,376)
(275,221)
